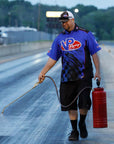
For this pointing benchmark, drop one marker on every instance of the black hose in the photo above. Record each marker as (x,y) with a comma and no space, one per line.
(65,106)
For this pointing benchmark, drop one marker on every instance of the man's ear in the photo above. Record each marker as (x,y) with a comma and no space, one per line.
(73,19)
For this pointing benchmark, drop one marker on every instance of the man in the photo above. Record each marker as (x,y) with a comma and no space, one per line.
(74,45)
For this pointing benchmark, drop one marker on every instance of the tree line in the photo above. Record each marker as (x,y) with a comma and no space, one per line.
(23,13)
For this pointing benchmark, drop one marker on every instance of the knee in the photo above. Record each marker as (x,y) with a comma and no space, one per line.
(83,111)
(73,114)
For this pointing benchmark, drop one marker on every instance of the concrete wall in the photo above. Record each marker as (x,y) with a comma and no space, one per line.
(27,36)
(6,50)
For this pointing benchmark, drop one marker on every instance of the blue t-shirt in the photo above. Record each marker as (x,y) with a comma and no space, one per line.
(75,48)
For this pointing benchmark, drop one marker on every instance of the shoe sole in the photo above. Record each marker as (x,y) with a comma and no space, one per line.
(73,139)
(83,136)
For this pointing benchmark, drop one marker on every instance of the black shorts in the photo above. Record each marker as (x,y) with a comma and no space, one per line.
(71,92)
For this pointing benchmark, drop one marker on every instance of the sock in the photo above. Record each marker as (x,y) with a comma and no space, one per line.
(82,118)
(74,124)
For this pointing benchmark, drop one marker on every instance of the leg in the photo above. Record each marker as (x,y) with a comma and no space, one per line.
(73,115)
(84,106)
(67,95)
(82,125)
(83,111)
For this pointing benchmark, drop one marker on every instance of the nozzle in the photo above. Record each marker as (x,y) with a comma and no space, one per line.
(36,84)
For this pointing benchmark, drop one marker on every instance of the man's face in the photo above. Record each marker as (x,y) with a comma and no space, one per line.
(68,25)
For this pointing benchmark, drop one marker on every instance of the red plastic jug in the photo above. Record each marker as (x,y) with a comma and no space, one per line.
(99,107)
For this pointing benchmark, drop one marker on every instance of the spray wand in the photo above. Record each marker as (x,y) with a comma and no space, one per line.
(36,84)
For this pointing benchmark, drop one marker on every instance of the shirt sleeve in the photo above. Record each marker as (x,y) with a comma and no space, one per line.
(92,44)
(55,52)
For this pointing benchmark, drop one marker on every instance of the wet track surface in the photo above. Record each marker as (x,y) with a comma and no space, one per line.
(36,118)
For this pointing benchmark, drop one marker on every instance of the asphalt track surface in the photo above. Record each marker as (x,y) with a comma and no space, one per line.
(36,118)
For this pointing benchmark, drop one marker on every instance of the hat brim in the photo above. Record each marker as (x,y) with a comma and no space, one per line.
(63,19)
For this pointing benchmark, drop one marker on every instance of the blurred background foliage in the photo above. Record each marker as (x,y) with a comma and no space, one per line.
(22,13)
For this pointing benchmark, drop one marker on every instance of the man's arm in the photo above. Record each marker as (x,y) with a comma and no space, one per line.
(97,66)
(50,63)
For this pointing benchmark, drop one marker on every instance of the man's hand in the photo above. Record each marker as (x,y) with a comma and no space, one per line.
(97,75)
(41,77)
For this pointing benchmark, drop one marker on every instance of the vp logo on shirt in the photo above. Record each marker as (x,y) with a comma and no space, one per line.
(70,44)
